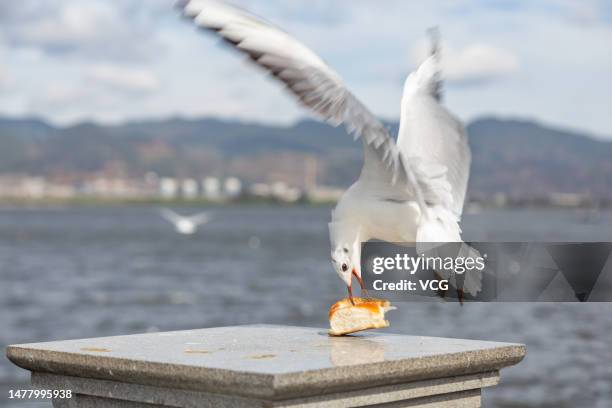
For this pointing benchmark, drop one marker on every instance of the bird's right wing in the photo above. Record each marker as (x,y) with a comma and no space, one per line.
(439,145)
(170,215)
(433,135)
(201,218)
(315,85)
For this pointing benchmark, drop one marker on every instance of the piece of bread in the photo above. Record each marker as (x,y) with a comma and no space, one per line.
(345,318)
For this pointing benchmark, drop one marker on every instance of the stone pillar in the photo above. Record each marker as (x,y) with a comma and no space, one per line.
(266,366)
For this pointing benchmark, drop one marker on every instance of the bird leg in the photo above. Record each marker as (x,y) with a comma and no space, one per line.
(460,295)
(350,293)
(364,291)
(441,293)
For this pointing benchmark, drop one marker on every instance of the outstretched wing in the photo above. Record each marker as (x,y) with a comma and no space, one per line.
(315,85)
(199,219)
(437,140)
(432,135)
(170,215)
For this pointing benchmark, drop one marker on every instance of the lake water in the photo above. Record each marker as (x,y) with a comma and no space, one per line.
(89,272)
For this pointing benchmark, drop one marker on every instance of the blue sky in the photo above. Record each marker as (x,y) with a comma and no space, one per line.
(116,60)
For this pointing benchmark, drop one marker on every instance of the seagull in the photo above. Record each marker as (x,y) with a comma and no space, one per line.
(409,191)
(186,225)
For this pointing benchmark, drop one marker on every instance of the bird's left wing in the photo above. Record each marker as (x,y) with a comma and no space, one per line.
(316,86)
(201,218)
(170,215)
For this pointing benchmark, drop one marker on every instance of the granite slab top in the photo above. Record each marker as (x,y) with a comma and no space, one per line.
(265,361)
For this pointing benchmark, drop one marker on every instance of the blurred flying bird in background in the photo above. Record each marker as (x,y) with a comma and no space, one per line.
(186,225)
(409,191)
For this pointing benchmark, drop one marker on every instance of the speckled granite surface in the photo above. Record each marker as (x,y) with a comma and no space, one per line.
(265,362)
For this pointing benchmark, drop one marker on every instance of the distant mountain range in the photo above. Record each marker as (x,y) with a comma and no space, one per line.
(520,158)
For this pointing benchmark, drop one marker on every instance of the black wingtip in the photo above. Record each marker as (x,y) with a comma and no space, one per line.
(434,37)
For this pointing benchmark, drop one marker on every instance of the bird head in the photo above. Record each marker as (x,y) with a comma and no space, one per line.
(345,250)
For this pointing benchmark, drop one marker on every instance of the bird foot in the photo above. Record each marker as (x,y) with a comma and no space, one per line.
(364,293)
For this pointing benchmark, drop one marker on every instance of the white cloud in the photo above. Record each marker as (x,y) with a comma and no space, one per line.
(92,28)
(104,92)
(474,64)
(67,102)
(73,22)
(61,93)
(124,78)
(480,63)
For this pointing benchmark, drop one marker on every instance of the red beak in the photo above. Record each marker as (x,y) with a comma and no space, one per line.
(350,293)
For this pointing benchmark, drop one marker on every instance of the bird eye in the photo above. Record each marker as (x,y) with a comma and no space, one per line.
(344,267)
(345,250)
